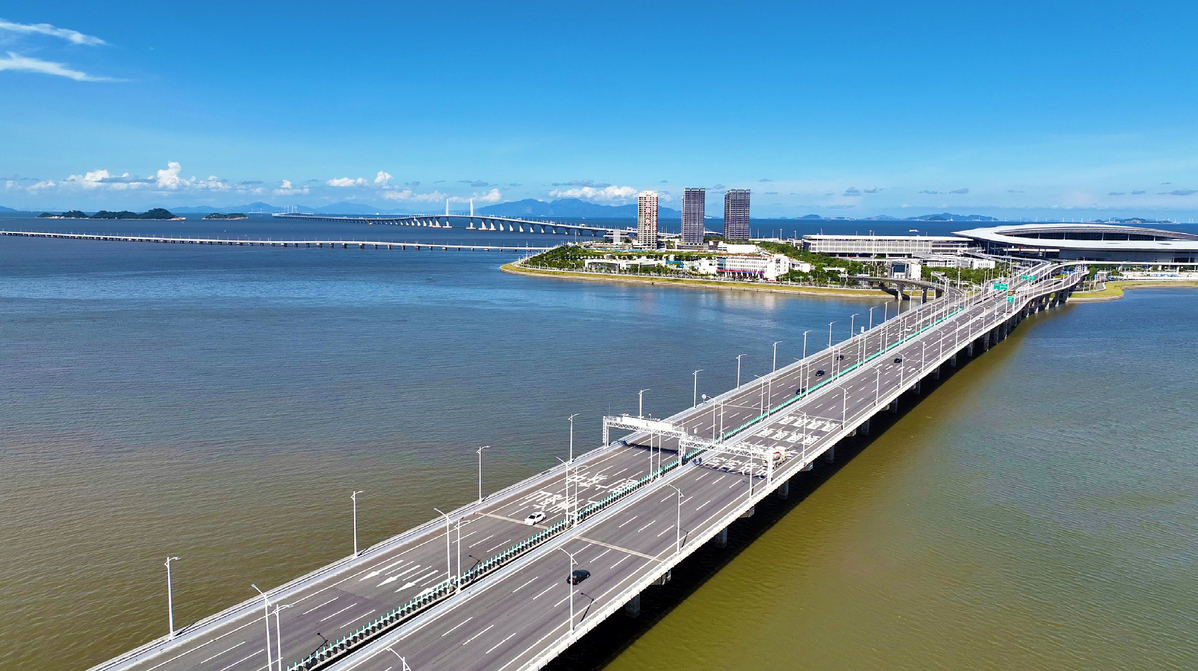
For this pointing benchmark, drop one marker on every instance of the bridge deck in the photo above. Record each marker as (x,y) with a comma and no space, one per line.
(518,615)
(235,242)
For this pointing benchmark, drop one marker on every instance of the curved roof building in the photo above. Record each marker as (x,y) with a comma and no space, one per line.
(1089,242)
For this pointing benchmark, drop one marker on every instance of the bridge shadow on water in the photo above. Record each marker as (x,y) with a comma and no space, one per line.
(612,637)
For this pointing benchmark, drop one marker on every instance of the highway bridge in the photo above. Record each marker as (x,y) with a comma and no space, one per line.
(479,588)
(245,242)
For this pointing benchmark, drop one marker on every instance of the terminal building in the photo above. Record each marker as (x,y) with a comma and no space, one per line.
(1087,242)
(885,246)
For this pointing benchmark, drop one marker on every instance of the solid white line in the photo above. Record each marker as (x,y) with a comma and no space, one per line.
(455,628)
(651,522)
(629,520)
(223,652)
(663,533)
(478,634)
(323,604)
(500,643)
(242,660)
(338,612)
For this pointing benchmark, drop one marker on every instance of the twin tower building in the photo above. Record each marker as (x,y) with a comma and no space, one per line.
(694,205)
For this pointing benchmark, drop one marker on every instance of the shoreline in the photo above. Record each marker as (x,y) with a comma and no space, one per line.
(1114,290)
(829,292)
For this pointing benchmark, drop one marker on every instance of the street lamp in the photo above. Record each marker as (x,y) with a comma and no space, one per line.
(279,634)
(170,605)
(567,465)
(571,419)
(695,400)
(640,411)
(354,496)
(871,317)
(776,357)
(570,582)
(266,616)
(480,472)
(678,521)
(402,661)
(806,366)
(738,356)
(830,332)
(448,563)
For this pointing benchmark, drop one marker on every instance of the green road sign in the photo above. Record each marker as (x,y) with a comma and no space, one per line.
(1023,277)
(1010,299)
(1000,286)
(1032,277)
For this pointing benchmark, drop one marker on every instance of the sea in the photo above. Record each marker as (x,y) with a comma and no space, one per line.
(1037,509)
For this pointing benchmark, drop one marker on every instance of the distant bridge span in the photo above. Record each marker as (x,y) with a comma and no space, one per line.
(485,223)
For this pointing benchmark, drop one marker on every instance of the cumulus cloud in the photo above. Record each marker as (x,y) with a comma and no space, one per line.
(286,189)
(409,196)
(169,178)
(19,63)
(346,181)
(872,189)
(852,191)
(959,191)
(492,196)
(608,193)
(72,36)
(382,178)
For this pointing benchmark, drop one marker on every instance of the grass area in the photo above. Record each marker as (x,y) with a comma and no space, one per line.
(1114,290)
(714,284)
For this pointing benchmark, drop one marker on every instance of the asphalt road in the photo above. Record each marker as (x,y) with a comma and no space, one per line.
(503,620)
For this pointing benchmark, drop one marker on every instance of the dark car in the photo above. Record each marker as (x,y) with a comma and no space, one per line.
(841,357)
(819,372)
(898,359)
(800,390)
(578,576)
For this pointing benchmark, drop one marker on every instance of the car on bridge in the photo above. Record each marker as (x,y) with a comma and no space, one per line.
(534,518)
(819,373)
(898,359)
(578,576)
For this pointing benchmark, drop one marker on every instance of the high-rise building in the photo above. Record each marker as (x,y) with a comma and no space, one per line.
(736,214)
(694,204)
(646,220)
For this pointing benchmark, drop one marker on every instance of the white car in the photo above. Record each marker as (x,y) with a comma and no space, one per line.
(534,518)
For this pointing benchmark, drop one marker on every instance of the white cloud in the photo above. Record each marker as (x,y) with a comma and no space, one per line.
(72,36)
(19,63)
(169,178)
(286,189)
(346,181)
(609,193)
(44,184)
(407,195)
(382,178)
(492,196)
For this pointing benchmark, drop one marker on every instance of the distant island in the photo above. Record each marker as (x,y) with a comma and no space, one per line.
(156,213)
(231,215)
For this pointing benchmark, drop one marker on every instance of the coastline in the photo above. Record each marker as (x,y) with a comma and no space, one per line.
(829,292)
(1113,291)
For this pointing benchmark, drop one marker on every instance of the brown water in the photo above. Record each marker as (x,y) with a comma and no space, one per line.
(1036,511)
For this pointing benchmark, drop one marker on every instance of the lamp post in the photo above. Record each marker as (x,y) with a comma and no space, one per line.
(279,634)
(354,497)
(402,661)
(806,366)
(170,604)
(640,408)
(266,616)
(853,324)
(695,401)
(571,419)
(570,582)
(567,465)
(830,332)
(480,470)
(871,317)
(738,356)
(776,357)
(677,521)
(448,563)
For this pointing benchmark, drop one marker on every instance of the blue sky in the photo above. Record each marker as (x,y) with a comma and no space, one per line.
(851,109)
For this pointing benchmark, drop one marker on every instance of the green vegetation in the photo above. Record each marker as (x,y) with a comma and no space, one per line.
(977,276)
(574,257)
(156,213)
(231,215)
(819,264)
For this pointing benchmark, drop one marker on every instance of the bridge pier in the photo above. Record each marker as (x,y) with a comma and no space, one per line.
(936,373)
(783,490)
(918,389)
(748,513)
(720,540)
(806,468)
(970,349)
(830,454)
(632,609)
(864,428)
(893,407)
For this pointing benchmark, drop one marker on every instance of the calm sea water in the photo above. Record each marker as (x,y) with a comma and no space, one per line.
(1038,510)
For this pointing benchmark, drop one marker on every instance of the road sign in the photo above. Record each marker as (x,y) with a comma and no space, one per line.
(1000,286)
(1010,299)
(1032,278)
(1023,277)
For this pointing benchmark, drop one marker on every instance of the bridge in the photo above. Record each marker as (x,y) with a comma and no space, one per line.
(482,588)
(242,242)
(475,222)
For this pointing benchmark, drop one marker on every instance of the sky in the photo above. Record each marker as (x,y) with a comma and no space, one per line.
(1068,110)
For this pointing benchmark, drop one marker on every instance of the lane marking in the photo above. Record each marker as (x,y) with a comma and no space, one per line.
(323,604)
(630,519)
(492,649)
(651,523)
(543,592)
(456,627)
(242,660)
(524,585)
(338,612)
(358,618)
(489,628)
(223,652)
(480,541)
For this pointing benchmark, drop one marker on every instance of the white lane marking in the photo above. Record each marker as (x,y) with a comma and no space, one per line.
(358,618)
(664,532)
(621,559)
(733,485)
(458,625)
(338,612)
(481,541)
(524,585)
(626,523)
(601,554)
(700,477)
(478,634)
(431,576)
(500,643)
(543,592)
(242,660)
(410,569)
(651,522)
(667,498)
(223,652)
(499,546)
(323,604)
